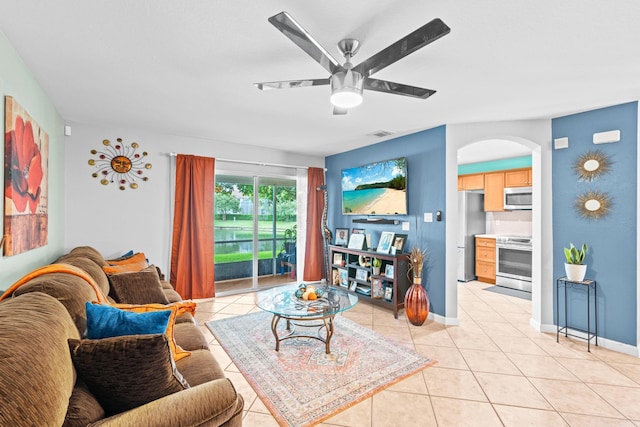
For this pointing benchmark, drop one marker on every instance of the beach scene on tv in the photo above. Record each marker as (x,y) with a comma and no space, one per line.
(375,189)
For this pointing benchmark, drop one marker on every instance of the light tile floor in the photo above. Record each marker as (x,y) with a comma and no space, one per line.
(492,370)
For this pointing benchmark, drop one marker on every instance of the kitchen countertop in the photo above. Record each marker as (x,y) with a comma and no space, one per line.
(493,236)
(487,236)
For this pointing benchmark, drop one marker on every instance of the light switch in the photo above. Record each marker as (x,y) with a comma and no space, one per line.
(405,226)
(428,217)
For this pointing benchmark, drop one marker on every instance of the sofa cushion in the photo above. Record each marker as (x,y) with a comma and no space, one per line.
(89,252)
(177,309)
(72,291)
(171,295)
(84,408)
(140,287)
(36,373)
(128,371)
(93,269)
(189,337)
(200,368)
(104,321)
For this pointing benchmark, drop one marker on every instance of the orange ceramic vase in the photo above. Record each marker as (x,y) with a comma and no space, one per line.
(416,303)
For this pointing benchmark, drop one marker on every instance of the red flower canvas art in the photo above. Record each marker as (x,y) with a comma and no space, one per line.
(26,151)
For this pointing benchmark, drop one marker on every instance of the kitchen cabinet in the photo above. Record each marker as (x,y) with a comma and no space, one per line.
(486,259)
(518,178)
(471,182)
(494,192)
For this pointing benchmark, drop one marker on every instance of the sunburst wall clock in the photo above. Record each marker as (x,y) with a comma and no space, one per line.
(120,164)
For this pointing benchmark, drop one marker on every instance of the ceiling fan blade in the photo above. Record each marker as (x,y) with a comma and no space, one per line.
(292,84)
(294,31)
(337,111)
(421,37)
(397,88)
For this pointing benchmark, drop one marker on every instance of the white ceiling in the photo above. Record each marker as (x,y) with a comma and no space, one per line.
(187,67)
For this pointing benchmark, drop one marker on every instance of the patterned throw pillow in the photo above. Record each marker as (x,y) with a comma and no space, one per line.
(128,371)
(140,287)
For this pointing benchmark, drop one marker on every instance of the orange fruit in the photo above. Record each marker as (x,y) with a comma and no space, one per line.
(312,296)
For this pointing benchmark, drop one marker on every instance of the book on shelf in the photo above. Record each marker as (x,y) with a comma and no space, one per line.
(364,290)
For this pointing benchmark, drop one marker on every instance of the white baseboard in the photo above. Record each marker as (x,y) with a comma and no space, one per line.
(602,342)
(450,321)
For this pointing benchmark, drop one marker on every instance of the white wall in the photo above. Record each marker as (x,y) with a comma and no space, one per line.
(115,221)
(535,134)
(17,81)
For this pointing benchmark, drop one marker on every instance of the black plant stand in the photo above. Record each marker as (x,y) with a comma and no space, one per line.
(587,285)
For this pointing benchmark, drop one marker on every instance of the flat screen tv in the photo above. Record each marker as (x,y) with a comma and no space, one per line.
(375,189)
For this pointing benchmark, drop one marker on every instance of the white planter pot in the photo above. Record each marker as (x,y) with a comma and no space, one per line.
(575,272)
(376,271)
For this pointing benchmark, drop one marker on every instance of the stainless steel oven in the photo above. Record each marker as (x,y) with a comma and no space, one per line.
(513,262)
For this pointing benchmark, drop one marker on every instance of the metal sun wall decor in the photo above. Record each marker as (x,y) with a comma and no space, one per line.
(120,164)
(593,204)
(591,165)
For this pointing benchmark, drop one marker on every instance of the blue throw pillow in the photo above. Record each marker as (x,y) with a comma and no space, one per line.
(104,321)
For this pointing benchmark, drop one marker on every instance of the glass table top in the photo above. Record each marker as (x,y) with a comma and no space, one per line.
(283,302)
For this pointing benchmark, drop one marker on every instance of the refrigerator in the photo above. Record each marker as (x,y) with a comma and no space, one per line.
(471,221)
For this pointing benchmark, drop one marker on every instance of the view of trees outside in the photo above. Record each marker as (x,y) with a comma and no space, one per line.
(234,216)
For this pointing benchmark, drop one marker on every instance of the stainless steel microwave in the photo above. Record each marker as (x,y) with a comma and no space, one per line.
(518,198)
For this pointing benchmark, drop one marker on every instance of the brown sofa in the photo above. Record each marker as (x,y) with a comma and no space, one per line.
(39,384)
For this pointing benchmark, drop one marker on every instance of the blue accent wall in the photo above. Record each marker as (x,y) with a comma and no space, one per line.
(425,152)
(612,240)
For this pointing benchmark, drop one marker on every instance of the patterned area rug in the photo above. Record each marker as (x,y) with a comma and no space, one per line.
(301,384)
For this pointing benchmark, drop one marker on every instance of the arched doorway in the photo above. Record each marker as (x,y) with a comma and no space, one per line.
(537,133)
(490,156)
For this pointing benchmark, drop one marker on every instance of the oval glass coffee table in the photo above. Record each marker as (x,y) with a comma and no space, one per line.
(283,304)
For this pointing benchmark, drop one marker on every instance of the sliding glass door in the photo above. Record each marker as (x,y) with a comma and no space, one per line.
(255,232)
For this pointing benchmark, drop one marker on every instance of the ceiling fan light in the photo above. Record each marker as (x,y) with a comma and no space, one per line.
(346,89)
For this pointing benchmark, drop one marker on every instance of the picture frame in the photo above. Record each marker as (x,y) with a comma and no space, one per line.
(388,271)
(358,231)
(399,241)
(337,259)
(377,288)
(341,237)
(353,286)
(356,241)
(335,278)
(388,293)
(362,274)
(384,244)
(344,277)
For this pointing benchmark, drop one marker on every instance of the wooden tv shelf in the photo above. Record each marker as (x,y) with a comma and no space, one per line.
(360,276)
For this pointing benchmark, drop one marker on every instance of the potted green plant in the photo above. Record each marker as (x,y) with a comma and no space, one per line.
(376,263)
(575,267)
(290,237)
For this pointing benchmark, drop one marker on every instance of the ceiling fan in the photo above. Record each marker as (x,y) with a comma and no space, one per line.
(348,81)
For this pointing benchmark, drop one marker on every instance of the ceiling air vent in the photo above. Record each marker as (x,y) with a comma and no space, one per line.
(380,133)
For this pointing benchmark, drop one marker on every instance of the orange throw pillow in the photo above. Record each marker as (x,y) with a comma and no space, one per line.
(136,258)
(128,265)
(177,308)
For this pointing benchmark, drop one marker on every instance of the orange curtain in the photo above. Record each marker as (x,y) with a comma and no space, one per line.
(192,265)
(314,250)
